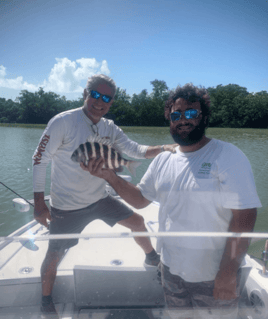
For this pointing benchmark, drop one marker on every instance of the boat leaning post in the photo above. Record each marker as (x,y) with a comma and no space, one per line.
(265,257)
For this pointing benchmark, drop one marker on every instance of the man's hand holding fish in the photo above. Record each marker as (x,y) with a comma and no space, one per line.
(128,191)
(95,168)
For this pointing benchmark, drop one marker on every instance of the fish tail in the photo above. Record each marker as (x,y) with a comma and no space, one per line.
(132,165)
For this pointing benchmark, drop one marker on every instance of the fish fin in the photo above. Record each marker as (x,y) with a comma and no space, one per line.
(100,140)
(119,169)
(105,141)
(132,165)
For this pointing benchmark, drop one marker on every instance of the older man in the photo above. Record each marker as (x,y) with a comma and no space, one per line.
(206,186)
(78,198)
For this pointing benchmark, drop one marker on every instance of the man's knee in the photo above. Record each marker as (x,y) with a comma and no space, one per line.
(134,223)
(139,224)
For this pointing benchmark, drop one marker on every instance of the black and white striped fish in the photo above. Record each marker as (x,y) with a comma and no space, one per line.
(112,159)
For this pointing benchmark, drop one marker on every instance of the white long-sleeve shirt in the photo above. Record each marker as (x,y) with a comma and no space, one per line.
(71,187)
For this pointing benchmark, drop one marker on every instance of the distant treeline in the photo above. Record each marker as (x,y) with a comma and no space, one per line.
(231,106)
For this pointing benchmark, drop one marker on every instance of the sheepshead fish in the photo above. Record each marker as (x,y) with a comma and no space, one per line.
(112,158)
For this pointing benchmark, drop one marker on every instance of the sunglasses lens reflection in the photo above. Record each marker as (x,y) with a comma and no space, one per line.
(96,95)
(175,116)
(189,114)
(106,99)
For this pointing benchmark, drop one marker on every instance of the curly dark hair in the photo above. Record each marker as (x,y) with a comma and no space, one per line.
(190,93)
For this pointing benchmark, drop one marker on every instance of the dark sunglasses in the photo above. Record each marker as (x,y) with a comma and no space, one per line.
(97,95)
(189,114)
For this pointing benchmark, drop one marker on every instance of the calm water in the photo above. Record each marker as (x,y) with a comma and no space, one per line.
(18,144)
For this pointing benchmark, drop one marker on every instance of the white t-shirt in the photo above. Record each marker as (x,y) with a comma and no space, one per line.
(196,192)
(71,187)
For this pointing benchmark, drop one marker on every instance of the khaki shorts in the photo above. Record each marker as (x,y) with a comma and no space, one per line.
(108,209)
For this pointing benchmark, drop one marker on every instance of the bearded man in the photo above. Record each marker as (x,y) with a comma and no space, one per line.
(206,186)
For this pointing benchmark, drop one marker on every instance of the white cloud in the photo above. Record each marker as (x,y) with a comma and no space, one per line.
(17,83)
(64,77)
(104,68)
(88,68)
(61,77)
(2,72)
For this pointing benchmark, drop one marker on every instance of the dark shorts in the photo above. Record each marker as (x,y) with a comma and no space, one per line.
(108,209)
(195,300)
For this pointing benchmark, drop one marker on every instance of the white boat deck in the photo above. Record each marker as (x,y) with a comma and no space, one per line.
(103,272)
(100,278)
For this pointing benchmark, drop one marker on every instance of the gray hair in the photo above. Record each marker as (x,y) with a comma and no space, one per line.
(100,78)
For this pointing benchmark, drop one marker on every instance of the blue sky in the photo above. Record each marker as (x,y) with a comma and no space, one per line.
(57,44)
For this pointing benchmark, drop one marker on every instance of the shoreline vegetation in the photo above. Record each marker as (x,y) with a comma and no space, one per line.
(232,106)
(41,126)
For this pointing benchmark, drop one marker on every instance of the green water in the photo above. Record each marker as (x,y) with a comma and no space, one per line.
(18,144)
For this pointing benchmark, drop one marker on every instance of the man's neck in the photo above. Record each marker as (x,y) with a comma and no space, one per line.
(195,147)
(94,121)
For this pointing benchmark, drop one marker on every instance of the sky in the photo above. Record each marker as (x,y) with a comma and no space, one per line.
(58,44)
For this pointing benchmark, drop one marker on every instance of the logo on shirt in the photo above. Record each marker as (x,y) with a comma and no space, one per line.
(41,149)
(204,170)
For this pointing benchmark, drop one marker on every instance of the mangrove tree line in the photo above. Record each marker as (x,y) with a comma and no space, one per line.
(231,106)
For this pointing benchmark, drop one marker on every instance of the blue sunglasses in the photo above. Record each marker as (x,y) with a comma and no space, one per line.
(189,114)
(96,95)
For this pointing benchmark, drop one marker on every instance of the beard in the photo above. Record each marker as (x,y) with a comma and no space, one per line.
(188,138)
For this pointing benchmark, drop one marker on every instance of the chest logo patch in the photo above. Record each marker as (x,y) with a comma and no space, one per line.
(204,170)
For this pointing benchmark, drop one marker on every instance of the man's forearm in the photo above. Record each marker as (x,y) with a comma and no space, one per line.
(129,192)
(236,248)
(235,251)
(39,203)
(39,197)
(153,151)
(225,283)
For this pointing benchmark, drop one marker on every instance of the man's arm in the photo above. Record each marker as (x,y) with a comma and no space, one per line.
(235,249)
(129,192)
(153,151)
(41,211)
(133,149)
(49,143)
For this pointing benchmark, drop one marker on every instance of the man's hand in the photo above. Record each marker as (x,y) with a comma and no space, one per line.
(129,192)
(170,147)
(225,287)
(41,213)
(95,168)
(153,151)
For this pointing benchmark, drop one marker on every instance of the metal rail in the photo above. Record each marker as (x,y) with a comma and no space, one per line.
(134,234)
